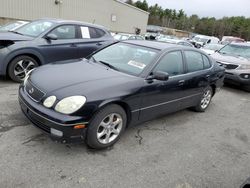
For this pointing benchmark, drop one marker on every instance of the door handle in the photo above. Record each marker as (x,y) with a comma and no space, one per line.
(99,44)
(181,82)
(73,45)
(207,76)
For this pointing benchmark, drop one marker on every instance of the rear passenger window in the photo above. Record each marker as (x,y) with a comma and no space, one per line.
(206,62)
(194,61)
(171,63)
(65,32)
(96,33)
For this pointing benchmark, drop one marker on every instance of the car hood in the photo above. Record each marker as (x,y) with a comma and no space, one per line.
(77,77)
(230,59)
(208,51)
(9,36)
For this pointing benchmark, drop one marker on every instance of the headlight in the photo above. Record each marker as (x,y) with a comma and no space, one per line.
(27,77)
(49,102)
(245,66)
(70,105)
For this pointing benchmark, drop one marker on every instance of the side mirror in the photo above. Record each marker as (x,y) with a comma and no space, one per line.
(159,75)
(51,37)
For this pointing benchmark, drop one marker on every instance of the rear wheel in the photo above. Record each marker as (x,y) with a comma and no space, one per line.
(106,127)
(205,100)
(20,66)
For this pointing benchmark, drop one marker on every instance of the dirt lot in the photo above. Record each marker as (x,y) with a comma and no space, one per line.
(181,150)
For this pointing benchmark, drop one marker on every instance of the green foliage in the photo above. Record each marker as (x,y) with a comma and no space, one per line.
(227,26)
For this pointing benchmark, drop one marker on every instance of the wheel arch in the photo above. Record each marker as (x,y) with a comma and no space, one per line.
(31,53)
(120,103)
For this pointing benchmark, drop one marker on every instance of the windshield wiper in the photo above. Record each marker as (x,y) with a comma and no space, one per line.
(92,57)
(104,63)
(16,32)
(108,65)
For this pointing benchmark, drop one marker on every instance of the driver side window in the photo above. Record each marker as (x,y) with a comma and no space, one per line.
(65,32)
(171,63)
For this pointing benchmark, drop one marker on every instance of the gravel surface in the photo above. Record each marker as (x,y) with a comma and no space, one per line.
(181,150)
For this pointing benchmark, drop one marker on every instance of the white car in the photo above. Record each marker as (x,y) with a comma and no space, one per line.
(125,36)
(12,26)
(202,40)
(211,48)
(176,41)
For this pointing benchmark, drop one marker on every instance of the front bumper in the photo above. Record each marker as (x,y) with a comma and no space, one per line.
(46,123)
(237,77)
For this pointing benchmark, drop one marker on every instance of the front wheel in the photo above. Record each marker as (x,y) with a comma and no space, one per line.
(106,127)
(20,66)
(247,88)
(205,100)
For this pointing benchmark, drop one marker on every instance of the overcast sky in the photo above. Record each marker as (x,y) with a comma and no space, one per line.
(211,8)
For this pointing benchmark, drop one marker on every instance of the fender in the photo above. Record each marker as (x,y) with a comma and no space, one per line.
(18,53)
(132,118)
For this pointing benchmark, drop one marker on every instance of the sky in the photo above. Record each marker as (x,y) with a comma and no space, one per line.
(208,8)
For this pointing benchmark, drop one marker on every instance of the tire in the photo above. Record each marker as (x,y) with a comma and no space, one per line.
(205,100)
(101,127)
(247,88)
(20,66)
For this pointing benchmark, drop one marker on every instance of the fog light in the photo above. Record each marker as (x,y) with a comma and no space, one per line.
(246,76)
(56,132)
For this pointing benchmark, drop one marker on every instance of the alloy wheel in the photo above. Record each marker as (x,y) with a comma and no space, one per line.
(109,128)
(206,99)
(22,68)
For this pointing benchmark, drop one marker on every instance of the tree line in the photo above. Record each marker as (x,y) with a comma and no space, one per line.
(238,26)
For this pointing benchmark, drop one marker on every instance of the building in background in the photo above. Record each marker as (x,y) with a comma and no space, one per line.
(113,14)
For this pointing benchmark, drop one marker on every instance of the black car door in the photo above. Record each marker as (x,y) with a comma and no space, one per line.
(63,47)
(161,97)
(197,77)
(91,39)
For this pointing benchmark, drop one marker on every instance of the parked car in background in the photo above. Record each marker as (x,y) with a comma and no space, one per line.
(124,36)
(211,48)
(124,84)
(176,41)
(200,40)
(12,26)
(165,37)
(48,40)
(235,58)
(228,39)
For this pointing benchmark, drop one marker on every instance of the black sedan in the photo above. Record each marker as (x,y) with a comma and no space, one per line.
(126,83)
(48,40)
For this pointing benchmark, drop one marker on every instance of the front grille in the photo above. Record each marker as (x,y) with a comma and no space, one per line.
(228,66)
(38,123)
(33,92)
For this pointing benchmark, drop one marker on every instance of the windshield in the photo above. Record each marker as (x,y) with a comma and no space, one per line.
(236,50)
(198,39)
(34,29)
(9,26)
(126,58)
(213,46)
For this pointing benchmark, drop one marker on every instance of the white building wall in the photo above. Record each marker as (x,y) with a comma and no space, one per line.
(125,17)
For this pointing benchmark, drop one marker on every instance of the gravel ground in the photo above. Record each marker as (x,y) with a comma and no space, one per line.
(181,150)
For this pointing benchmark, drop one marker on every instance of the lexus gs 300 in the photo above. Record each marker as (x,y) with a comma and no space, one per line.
(126,83)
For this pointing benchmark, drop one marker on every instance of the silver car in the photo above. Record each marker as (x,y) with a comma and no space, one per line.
(235,58)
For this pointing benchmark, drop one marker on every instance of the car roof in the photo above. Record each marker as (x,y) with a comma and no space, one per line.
(153,44)
(241,43)
(59,21)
